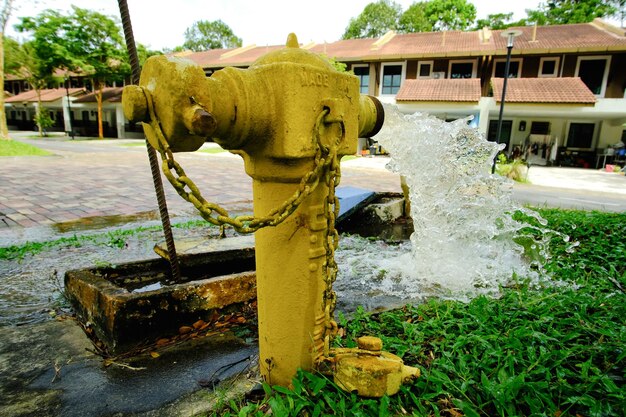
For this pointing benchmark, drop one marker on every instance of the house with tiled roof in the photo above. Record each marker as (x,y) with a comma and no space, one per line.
(564,103)
(69,104)
(21,108)
(564,100)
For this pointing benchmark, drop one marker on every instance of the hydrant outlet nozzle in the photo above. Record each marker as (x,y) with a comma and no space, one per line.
(371,116)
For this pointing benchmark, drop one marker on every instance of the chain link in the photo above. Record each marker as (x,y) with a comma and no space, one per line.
(326,168)
(331,211)
(217,215)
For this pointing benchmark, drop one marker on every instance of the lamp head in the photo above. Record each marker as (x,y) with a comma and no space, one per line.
(510,34)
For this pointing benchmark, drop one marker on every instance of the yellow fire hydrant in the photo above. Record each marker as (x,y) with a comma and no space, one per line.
(291,116)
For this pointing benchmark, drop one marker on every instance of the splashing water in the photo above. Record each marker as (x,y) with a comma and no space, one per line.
(463,244)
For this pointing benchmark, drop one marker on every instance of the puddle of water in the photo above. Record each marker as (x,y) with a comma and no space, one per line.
(32,287)
(150,287)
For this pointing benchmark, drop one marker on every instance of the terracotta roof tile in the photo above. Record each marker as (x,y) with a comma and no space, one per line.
(460,90)
(247,57)
(543,90)
(348,50)
(205,59)
(585,37)
(110,94)
(561,37)
(436,44)
(47,95)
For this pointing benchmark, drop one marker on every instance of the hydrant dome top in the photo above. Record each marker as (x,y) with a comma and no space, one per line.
(293,53)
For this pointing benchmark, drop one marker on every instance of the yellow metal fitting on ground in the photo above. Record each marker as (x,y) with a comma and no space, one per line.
(369,371)
(291,116)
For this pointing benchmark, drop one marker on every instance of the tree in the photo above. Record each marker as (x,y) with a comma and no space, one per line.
(374,21)
(560,12)
(86,42)
(13,55)
(620,10)
(450,14)
(97,48)
(5,13)
(204,35)
(44,53)
(414,19)
(496,21)
(144,53)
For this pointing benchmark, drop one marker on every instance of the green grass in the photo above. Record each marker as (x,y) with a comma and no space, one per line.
(14,148)
(115,238)
(552,351)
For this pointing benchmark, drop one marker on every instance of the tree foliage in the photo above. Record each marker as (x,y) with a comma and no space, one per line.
(204,35)
(414,19)
(560,12)
(84,41)
(97,48)
(450,14)
(13,56)
(6,9)
(375,20)
(143,53)
(496,21)
(422,16)
(620,10)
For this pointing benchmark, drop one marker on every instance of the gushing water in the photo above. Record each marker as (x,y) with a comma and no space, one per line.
(464,242)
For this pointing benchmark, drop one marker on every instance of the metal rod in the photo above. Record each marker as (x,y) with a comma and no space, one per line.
(152,156)
(506,77)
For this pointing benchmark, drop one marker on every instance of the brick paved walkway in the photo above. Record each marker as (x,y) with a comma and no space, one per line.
(116,181)
(88,182)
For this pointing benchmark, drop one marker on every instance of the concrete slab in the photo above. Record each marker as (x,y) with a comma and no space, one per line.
(352,199)
(133,303)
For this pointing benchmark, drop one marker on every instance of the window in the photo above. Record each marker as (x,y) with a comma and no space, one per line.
(540,128)
(505,133)
(424,69)
(515,68)
(462,69)
(594,71)
(548,67)
(580,135)
(392,75)
(363,73)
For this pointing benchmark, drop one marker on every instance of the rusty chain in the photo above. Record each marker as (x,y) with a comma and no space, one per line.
(331,211)
(217,215)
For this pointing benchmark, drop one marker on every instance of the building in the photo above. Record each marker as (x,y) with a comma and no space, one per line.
(565,100)
(70,106)
(22,108)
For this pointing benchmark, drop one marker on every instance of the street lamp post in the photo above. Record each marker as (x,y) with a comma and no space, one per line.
(510,35)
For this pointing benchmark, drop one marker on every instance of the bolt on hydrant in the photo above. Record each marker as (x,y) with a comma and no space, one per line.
(291,117)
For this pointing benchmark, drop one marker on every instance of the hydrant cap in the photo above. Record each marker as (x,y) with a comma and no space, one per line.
(293,53)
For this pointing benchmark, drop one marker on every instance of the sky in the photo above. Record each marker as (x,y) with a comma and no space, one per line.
(161,24)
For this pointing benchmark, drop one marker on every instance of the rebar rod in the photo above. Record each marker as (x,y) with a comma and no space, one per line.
(152,156)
